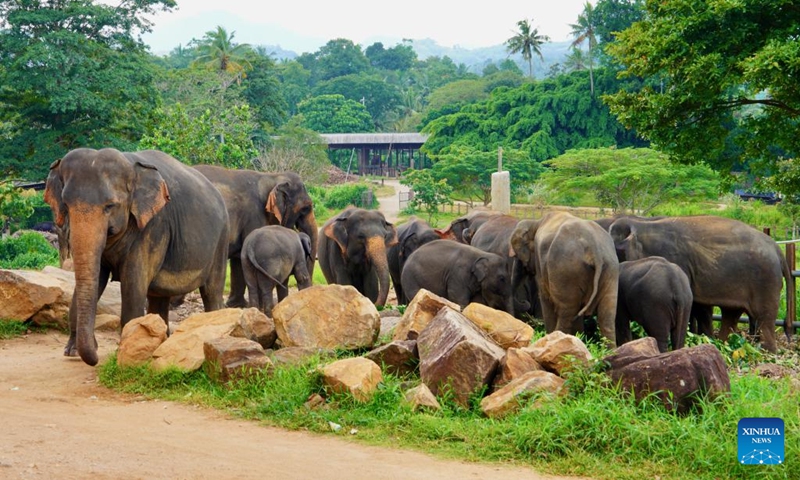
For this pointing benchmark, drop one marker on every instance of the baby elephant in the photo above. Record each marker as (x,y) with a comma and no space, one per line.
(656,293)
(460,273)
(269,255)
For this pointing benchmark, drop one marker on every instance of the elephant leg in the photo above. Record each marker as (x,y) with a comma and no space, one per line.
(159,306)
(236,297)
(607,313)
(730,321)
(212,290)
(283,291)
(265,300)
(251,278)
(701,320)
(764,320)
(548,314)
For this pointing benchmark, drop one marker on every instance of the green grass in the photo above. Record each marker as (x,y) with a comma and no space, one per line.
(594,431)
(12,329)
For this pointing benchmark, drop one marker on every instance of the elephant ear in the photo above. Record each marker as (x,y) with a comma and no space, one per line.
(277,202)
(391,235)
(623,232)
(337,231)
(405,242)
(521,243)
(52,194)
(305,241)
(150,193)
(480,269)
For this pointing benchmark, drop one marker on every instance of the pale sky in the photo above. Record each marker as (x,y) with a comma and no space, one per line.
(305,25)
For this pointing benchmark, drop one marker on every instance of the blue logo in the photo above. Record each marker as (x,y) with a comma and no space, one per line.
(761,441)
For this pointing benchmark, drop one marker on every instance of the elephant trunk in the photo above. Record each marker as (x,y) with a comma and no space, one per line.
(87,238)
(308,225)
(376,251)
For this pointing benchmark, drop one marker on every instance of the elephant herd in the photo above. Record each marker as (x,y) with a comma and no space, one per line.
(163,229)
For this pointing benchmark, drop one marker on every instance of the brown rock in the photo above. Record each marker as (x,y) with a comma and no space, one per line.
(24,292)
(399,358)
(773,370)
(107,322)
(676,377)
(514,364)
(456,354)
(247,323)
(388,324)
(140,338)
(518,393)
(357,376)
(558,352)
(110,302)
(421,398)
(328,317)
(233,358)
(296,355)
(419,312)
(503,328)
(634,351)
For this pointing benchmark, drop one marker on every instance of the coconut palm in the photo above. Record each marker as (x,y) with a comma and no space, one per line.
(217,51)
(527,42)
(576,60)
(584,31)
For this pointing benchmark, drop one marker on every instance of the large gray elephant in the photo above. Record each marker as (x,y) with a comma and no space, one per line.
(656,294)
(255,199)
(469,223)
(576,271)
(269,256)
(729,264)
(142,218)
(352,251)
(460,273)
(410,236)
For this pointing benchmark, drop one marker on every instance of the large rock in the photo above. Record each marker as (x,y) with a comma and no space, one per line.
(503,328)
(514,364)
(634,351)
(140,338)
(677,378)
(233,358)
(518,393)
(357,376)
(399,358)
(558,352)
(24,292)
(297,355)
(421,398)
(456,355)
(419,312)
(184,348)
(328,317)
(110,302)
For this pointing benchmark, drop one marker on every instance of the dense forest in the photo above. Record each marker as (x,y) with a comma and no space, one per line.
(76,73)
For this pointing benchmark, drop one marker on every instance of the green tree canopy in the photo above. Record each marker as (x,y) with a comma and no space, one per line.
(378,96)
(217,51)
(335,114)
(629,180)
(400,57)
(723,80)
(73,73)
(527,42)
(337,58)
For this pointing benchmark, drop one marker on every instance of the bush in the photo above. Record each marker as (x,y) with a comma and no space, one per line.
(28,251)
(342,196)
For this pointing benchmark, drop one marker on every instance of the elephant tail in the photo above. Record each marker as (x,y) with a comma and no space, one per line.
(251,257)
(598,271)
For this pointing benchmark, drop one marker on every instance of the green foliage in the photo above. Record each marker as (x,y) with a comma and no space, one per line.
(630,179)
(221,138)
(295,149)
(372,91)
(30,251)
(528,42)
(459,92)
(400,57)
(736,351)
(337,58)
(722,81)
(14,205)
(595,430)
(217,51)
(469,171)
(11,329)
(335,114)
(612,16)
(73,73)
(342,196)
(429,193)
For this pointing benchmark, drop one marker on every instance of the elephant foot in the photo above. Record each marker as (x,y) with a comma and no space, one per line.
(236,303)
(71,350)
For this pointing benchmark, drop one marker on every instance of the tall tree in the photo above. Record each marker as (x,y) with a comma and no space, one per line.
(729,73)
(339,57)
(612,16)
(73,73)
(335,114)
(217,51)
(584,31)
(527,42)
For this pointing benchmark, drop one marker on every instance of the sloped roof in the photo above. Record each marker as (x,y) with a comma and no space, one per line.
(344,139)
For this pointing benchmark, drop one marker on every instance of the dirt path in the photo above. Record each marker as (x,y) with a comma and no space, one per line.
(390,204)
(57,422)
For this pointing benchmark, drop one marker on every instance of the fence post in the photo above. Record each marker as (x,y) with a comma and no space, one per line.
(791,291)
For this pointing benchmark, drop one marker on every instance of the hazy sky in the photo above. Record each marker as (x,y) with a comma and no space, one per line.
(304,25)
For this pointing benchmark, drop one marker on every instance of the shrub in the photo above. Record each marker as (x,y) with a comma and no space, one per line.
(342,196)
(28,251)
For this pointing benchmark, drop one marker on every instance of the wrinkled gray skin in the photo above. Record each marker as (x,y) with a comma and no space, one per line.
(410,236)
(729,264)
(657,295)
(142,218)
(494,235)
(352,251)
(576,271)
(460,273)
(467,223)
(255,199)
(269,255)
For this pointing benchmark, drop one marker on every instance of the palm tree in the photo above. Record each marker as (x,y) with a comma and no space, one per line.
(527,42)
(576,60)
(217,51)
(584,30)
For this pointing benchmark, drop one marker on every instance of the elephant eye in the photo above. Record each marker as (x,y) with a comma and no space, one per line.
(109,207)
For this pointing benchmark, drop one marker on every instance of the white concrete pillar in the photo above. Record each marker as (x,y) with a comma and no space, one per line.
(501,192)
